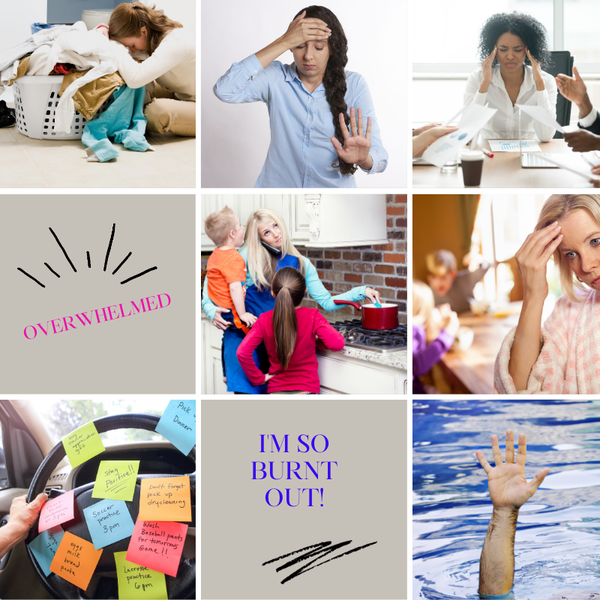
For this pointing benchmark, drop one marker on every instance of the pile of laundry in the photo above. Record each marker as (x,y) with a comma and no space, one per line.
(87,59)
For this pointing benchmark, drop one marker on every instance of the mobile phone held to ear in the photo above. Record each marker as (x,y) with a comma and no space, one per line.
(271,249)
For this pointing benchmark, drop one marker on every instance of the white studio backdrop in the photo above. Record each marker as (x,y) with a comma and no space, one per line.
(235,137)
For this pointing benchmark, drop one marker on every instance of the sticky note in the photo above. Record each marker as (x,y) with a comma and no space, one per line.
(116,479)
(108,521)
(178,424)
(83,444)
(56,511)
(44,547)
(166,499)
(75,560)
(136,581)
(157,545)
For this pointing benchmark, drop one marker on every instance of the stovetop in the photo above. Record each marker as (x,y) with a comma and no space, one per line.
(357,336)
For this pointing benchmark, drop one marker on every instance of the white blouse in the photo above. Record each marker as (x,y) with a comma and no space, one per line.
(504,125)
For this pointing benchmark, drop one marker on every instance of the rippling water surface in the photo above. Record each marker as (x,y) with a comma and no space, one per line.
(557,545)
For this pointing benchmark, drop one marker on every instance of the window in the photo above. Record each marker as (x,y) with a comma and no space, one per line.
(445,47)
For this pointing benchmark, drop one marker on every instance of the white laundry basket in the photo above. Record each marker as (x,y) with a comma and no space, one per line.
(36,98)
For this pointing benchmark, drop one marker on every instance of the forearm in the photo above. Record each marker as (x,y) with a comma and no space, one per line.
(268,54)
(237,297)
(497,565)
(585,106)
(526,346)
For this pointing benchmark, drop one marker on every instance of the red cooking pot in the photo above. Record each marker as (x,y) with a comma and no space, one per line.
(384,317)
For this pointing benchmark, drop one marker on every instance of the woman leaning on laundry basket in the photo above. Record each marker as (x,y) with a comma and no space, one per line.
(169,68)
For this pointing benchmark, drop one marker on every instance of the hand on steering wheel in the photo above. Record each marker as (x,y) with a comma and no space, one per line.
(104,582)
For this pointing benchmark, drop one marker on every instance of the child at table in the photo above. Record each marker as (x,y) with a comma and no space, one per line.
(226,270)
(434,330)
(291,334)
(451,286)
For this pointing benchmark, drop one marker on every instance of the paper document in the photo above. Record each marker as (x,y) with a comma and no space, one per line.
(565,161)
(513,146)
(447,147)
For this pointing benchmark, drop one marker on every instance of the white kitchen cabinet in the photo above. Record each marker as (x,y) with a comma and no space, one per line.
(212,368)
(313,220)
(341,374)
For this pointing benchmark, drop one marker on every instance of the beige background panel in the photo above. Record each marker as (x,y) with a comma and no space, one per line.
(152,352)
(365,501)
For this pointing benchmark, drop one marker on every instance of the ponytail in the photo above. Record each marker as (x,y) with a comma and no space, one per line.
(288,286)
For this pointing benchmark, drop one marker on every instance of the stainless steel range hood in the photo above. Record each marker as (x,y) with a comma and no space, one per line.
(338,220)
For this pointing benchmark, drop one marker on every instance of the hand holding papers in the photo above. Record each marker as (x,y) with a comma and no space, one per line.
(446,148)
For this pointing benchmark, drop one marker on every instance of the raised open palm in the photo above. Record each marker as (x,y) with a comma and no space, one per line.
(506,481)
(356,145)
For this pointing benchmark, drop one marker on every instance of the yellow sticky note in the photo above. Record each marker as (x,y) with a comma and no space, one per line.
(82,444)
(136,581)
(116,479)
(165,499)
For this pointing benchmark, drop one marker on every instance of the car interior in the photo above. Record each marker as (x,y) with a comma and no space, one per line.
(31,463)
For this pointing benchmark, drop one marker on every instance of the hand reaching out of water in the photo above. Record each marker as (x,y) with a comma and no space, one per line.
(506,481)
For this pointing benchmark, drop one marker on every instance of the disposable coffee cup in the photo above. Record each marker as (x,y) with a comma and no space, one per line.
(472,165)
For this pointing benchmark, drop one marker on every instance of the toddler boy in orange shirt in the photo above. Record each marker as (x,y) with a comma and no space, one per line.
(226,268)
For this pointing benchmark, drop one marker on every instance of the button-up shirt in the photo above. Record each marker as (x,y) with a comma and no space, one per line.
(504,125)
(300,153)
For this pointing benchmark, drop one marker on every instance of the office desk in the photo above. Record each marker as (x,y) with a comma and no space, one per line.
(472,371)
(505,171)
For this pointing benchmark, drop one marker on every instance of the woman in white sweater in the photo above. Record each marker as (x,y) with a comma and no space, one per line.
(168,68)
(513,48)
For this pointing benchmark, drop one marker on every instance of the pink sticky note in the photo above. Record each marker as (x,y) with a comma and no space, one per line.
(157,545)
(57,511)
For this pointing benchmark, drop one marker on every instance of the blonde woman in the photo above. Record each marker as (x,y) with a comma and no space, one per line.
(561,357)
(169,68)
(267,248)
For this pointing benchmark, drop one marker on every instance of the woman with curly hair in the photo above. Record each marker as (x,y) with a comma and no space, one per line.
(513,48)
(168,70)
(317,110)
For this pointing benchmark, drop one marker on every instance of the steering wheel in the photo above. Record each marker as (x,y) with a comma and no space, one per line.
(104,581)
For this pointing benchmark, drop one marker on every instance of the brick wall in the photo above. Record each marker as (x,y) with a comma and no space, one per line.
(381,267)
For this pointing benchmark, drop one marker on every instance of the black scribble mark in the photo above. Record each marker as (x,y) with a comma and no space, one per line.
(62,248)
(112,236)
(30,277)
(315,551)
(138,275)
(121,263)
(52,270)
(89,260)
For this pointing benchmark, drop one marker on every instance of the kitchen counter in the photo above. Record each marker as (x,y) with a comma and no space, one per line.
(397,360)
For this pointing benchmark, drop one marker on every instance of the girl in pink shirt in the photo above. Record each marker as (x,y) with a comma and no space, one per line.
(291,334)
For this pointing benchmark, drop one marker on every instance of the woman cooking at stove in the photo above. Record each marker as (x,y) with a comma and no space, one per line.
(268,248)
(513,48)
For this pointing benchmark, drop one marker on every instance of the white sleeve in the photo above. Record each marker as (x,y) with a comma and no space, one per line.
(547,100)
(172,51)
(472,95)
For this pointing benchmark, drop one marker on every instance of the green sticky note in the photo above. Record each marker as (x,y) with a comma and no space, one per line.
(136,581)
(82,444)
(116,479)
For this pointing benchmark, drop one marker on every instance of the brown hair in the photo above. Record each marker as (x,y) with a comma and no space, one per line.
(559,206)
(127,20)
(288,286)
(218,225)
(440,261)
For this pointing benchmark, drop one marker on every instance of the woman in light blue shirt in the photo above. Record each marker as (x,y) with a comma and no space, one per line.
(263,260)
(311,103)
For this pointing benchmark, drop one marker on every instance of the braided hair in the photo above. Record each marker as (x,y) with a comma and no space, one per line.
(334,80)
